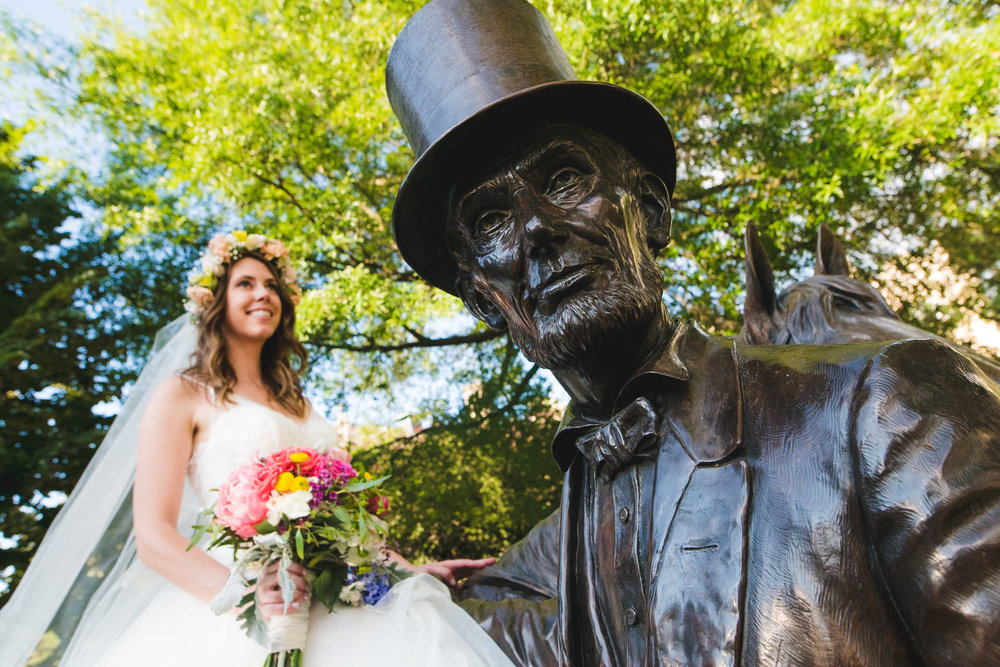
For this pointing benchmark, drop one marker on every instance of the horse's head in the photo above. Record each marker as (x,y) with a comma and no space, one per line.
(830,307)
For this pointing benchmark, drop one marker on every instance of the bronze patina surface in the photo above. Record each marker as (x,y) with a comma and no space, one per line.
(723,503)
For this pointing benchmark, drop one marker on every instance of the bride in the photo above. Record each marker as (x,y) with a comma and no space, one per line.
(240,397)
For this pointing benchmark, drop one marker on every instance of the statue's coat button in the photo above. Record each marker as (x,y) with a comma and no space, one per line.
(631,616)
(623,514)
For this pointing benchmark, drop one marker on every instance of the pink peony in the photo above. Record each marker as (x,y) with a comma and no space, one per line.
(243,498)
(199,296)
(273,249)
(282,463)
(219,245)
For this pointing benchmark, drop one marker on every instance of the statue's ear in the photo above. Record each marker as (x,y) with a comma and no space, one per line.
(831,258)
(478,303)
(759,325)
(655,202)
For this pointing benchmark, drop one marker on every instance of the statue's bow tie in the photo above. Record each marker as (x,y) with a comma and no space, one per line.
(629,436)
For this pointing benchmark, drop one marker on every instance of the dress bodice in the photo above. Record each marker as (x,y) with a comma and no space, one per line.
(246,430)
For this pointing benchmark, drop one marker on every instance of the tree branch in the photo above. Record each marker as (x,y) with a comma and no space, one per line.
(421,342)
(715,189)
(280,185)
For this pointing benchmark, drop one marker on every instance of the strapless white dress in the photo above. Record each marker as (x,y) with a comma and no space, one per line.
(416,623)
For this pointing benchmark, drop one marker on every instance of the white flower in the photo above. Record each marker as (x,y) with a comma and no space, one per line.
(351,593)
(213,265)
(273,539)
(255,241)
(294,505)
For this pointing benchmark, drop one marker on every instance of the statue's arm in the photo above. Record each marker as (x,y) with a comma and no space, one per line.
(926,446)
(515,599)
(528,570)
(524,629)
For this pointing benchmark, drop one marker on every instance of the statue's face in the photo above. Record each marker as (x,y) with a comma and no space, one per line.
(559,250)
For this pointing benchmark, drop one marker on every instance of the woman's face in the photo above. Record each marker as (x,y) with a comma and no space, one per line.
(253,308)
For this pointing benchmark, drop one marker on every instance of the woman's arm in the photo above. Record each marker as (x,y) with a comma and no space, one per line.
(166,441)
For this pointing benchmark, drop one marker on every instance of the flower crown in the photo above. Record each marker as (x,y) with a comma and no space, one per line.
(226,249)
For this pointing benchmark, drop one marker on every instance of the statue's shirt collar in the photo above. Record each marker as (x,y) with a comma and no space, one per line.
(668,372)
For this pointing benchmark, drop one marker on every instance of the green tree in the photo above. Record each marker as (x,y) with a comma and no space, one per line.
(79,311)
(48,353)
(477,480)
(878,118)
(294,134)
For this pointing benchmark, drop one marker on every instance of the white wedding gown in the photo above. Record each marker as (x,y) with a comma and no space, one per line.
(416,623)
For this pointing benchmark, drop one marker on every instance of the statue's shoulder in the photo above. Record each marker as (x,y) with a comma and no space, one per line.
(911,358)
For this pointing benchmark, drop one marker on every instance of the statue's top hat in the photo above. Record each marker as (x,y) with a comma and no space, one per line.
(466,78)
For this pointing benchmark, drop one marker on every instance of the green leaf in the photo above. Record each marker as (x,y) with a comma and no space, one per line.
(264,528)
(199,532)
(299,545)
(327,586)
(355,487)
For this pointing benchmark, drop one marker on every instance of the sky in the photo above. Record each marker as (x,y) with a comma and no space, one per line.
(61,16)
(59,140)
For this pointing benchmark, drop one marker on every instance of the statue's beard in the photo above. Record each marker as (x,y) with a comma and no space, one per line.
(590,327)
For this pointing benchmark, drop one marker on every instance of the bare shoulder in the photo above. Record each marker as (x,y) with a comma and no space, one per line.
(180,392)
(180,400)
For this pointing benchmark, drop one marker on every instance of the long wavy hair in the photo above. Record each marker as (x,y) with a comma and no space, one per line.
(283,359)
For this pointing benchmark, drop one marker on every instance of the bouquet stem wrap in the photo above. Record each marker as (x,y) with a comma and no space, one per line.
(286,632)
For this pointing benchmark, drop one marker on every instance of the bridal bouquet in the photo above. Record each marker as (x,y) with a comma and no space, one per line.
(299,505)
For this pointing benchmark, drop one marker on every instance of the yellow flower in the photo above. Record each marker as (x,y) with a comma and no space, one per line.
(300,483)
(240,235)
(285,482)
(298,457)
(368,475)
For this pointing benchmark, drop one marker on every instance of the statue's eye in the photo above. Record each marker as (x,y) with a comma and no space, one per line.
(564,181)
(491,221)
(844,303)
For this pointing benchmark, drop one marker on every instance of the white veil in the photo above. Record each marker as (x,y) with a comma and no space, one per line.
(85,582)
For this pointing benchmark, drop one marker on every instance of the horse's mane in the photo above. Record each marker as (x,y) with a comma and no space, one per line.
(809,306)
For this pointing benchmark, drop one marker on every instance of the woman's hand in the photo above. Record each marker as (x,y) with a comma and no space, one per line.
(269,600)
(451,572)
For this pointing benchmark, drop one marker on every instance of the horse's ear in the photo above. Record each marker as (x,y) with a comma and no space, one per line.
(761,300)
(831,259)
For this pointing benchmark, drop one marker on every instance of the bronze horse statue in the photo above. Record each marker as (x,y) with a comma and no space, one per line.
(828,308)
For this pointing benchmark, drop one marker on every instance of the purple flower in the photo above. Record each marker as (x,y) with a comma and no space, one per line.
(341,472)
(375,585)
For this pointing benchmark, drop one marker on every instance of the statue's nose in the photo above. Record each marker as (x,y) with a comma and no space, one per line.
(543,233)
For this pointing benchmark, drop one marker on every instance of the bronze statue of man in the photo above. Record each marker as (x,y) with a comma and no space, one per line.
(722,504)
